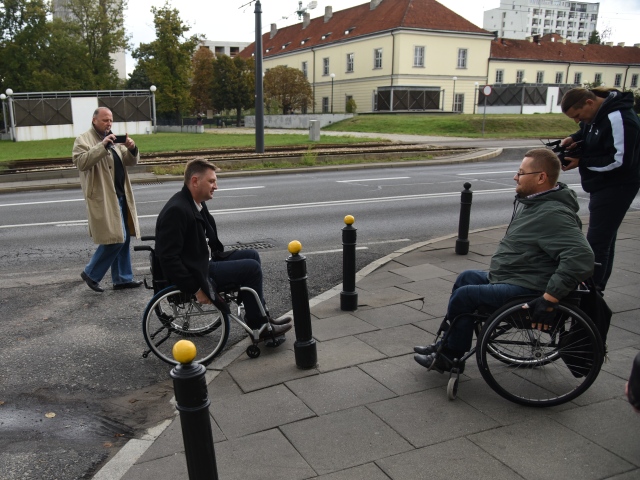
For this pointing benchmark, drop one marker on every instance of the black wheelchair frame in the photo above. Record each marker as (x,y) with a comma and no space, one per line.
(172,315)
(532,367)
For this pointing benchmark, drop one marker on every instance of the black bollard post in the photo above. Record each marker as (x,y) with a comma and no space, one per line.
(305,345)
(349,296)
(193,404)
(462,243)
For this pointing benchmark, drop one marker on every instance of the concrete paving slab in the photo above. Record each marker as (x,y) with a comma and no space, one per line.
(621,302)
(380,280)
(422,271)
(388,296)
(618,338)
(457,459)
(611,424)
(402,375)
(428,417)
(620,361)
(429,326)
(259,456)
(344,439)
(526,446)
(393,341)
(169,442)
(630,475)
(607,386)
(258,411)
(172,466)
(345,352)
(390,316)
(328,308)
(251,374)
(338,390)
(370,471)
(434,287)
(627,321)
(339,326)
(223,386)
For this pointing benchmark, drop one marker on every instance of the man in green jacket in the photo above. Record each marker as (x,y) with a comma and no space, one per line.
(543,252)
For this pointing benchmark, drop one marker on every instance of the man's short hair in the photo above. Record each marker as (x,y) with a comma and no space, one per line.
(197,166)
(97,111)
(546,161)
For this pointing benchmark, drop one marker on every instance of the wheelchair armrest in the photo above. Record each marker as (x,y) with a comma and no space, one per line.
(141,248)
(148,238)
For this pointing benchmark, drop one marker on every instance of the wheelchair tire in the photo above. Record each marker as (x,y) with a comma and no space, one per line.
(539,368)
(172,315)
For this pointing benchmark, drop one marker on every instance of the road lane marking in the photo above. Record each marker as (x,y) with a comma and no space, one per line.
(337,250)
(295,206)
(371,179)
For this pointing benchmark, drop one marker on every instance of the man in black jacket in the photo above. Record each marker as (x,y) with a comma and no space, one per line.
(193,258)
(609,164)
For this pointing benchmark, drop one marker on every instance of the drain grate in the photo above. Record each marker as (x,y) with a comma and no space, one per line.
(255,245)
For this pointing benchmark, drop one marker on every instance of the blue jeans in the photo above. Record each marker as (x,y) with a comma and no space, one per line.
(472,290)
(241,268)
(115,256)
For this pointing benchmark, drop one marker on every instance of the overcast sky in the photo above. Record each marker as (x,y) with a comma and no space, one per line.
(228,20)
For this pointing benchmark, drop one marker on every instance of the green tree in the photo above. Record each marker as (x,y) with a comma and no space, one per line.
(138,79)
(202,82)
(24,40)
(98,28)
(594,38)
(233,84)
(288,87)
(166,62)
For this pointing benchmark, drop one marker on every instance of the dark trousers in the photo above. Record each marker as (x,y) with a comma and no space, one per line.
(607,208)
(241,268)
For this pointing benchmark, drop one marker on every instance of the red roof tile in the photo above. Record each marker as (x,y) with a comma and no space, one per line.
(550,48)
(361,20)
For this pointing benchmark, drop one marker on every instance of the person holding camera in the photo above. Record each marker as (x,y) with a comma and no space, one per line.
(609,164)
(102,158)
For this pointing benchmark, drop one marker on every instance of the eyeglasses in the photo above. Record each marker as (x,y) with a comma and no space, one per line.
(519,174)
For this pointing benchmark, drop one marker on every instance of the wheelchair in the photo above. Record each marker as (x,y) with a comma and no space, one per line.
(538,368)
(172,315)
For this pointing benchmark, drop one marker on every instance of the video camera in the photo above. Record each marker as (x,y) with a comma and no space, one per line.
(563,152)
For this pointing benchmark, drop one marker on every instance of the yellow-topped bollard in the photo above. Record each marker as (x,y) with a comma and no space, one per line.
(295,247)
(349,296)
(184,351)
(349,220)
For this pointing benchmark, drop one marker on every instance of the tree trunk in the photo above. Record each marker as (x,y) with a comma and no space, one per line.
(238,116)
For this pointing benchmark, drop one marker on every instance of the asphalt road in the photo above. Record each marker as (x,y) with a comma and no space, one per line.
(74,385)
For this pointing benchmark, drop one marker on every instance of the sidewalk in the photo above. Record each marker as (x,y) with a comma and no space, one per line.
(368,411)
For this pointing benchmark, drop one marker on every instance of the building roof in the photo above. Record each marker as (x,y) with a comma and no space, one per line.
(360,21)
(550,48)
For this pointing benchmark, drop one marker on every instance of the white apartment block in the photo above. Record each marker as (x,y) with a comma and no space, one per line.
(230,49)
(519,19)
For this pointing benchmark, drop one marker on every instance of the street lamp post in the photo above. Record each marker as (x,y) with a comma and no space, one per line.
(153,89)
(475,95)
(12,125)
(524,84)
(333,75)
(259,105)
(3,97)
(453,102)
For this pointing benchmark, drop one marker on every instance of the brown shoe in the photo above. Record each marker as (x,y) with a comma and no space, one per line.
(283,320)
(276,331)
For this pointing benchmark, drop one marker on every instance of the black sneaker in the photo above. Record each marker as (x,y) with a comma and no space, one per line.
(440,362)
(428,349)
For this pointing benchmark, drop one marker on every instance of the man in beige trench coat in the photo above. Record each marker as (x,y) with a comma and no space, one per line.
(111,208)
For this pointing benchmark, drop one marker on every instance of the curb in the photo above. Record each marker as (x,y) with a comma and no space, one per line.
(127,456)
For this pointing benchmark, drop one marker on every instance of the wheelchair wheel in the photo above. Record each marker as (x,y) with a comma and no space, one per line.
(172,315)
(539,368)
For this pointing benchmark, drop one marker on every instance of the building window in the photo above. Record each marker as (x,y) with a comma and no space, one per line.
(462,58)
(499,76)
(304,69)
(559,77)
(418,56)
(597,78)
(325,104)
(634,80)
(519,76)
(618,81)
(349,62)
(458,102)
(540,77)
(325,66)
(577,78)
(377,58)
